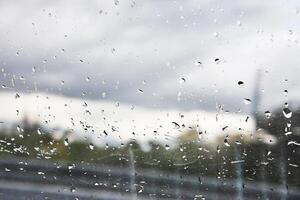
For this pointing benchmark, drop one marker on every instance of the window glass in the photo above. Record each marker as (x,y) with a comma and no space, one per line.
(149,99)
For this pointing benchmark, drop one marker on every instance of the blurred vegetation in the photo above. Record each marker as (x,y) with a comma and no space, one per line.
(259,161)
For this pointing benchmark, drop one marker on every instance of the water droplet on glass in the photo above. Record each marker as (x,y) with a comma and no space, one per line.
(247,101)
(218,149)
(167,147)
(217,60)
(91,146)
(268,114)
(240,83)
(66,142)
(287,112)
(226,142)
(18,128)
(73,189)
(285,92)
(198,63)
(87,79)
(182,80)
(140,91)
(293,143)
(176,125)
(39,131)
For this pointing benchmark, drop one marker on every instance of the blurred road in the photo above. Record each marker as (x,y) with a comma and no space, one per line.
(32,179)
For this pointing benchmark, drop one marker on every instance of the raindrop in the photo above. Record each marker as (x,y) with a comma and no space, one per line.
(240,83)
(247,101)
(66,142)
(268,114)
(198,63)
(87,79)
(287,112)
(91,146)
(167,147)
(217,60)
(293,143)
(176,125)
(285,92)
(224,128)
(218,149)
(105,133)
(73,189)
(226,142)
(237,161)
(182,80)
(17,96)
(140,91)
(33,69)
(19,129)
(39,131)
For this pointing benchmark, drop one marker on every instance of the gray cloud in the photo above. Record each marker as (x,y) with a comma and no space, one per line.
(120,46)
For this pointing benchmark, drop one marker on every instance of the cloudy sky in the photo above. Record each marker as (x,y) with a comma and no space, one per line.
(146,53)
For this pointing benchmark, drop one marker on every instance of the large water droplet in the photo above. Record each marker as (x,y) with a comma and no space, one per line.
(287,113)
(39,131)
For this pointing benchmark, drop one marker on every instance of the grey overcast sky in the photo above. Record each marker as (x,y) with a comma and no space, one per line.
(116,49)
